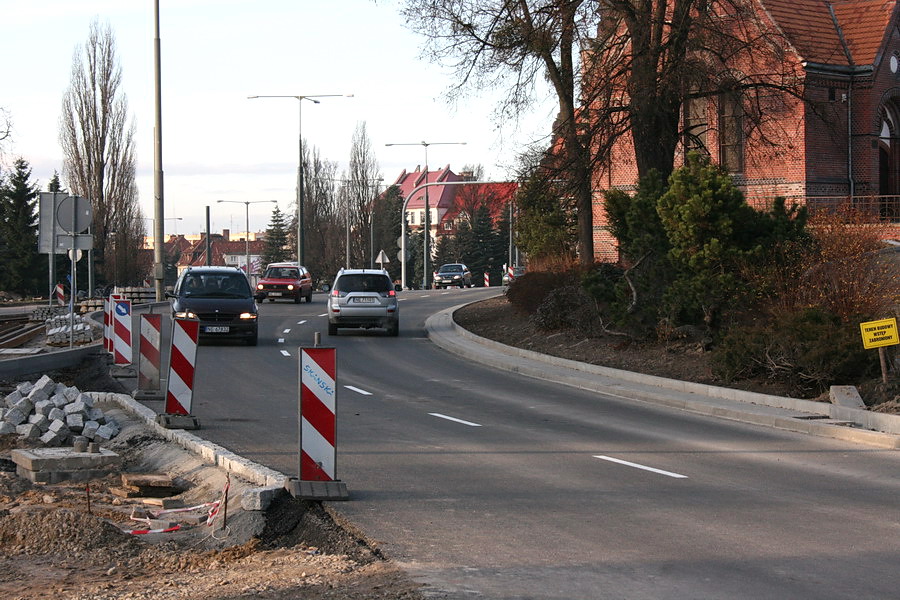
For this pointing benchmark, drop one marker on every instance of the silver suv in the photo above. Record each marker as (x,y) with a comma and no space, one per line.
(363,298)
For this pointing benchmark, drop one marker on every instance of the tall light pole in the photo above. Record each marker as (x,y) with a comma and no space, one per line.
(159,272)
(427,219)
(247,204)
(301,250)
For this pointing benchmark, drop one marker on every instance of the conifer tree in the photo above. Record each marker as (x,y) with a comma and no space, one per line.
(19,231)
(276,239)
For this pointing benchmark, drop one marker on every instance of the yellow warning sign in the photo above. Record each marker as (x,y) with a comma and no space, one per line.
(876,334)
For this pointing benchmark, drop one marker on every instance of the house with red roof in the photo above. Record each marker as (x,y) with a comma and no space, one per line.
(222,251)
(839,144)
(449,203)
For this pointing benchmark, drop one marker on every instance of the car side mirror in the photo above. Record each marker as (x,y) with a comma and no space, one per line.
(169,295)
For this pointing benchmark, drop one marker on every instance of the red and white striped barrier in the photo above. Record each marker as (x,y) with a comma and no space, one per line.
(510,273)
(149,354)
(318,409)
(60,294)
(108,321)
(182,360)
(487,279)
(121,332)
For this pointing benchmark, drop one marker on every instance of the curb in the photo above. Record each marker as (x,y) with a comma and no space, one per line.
(792,414)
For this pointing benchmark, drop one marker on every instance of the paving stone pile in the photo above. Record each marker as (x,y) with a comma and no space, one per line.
(59,329)
(52,414)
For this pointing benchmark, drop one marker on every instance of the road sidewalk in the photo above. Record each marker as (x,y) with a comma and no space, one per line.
(805,416)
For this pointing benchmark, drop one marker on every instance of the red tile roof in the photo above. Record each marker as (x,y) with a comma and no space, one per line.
(820,37)
(440,196)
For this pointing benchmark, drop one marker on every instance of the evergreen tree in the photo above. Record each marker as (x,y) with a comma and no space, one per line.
(19,230)
(445,251)
(483,249)
(276,239)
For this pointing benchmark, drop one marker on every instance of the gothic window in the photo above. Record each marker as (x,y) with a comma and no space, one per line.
(695,125)
(731,133)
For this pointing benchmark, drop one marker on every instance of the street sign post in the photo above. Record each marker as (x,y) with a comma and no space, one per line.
(880,334)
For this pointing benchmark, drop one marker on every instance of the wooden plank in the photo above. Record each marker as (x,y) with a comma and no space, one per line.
(147,480)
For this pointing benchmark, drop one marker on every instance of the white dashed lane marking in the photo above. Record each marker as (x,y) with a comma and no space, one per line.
(285,353)
(642,467)
(357,390)
(454,419)
(286,331)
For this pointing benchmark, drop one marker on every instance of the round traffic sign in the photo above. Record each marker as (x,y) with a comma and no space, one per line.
(74,214)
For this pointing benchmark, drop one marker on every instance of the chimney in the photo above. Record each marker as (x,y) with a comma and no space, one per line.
(225,234)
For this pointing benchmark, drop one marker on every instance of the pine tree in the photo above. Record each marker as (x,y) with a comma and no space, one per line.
(19,230)
(276,239)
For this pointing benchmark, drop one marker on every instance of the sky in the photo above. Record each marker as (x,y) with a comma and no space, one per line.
(219,145)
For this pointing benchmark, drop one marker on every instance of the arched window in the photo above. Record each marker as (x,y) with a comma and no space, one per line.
(887,153)
(731,132)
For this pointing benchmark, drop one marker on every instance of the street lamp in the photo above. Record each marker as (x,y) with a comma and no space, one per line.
(301,255)
(427,220)
(247,204)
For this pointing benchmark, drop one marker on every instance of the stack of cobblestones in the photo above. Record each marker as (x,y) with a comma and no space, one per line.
(59,329)
(42,313)
(53,414)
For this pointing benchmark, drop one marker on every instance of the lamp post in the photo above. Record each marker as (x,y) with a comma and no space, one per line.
(427,220)
(301,254)
(247,204)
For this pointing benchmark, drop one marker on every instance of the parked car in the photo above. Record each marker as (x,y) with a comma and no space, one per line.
(453,274)
(365,298)
(221,299)
(517,272)
(289,280)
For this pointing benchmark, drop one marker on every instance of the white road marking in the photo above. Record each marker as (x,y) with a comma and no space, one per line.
(324,315)
(280,340)
(440,416)
(301,322)
(358,391)
(645,468)
(286,331)
(285,353)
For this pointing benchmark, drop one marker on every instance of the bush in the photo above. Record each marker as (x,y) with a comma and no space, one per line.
(810,350)
(568,307)
(528,291)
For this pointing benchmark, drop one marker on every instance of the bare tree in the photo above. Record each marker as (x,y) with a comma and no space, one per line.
(618,68)
(358,193)
(99,155)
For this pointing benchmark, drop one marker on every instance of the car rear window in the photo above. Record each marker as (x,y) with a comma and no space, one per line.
(362,282)
(281,273)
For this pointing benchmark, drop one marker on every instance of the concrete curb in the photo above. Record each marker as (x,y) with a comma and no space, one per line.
(268,479)
(804,416)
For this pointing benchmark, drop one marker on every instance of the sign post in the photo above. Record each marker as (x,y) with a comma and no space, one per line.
(880,334)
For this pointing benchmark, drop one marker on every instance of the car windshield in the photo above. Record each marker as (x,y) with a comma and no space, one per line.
(226,285)
(363,282)
(451,269)
(281,273)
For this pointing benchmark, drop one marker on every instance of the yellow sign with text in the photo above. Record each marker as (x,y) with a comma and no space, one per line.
(876,334)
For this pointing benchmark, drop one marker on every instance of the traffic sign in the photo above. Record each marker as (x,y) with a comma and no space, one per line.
(74,214)
(876,334)
(382,258)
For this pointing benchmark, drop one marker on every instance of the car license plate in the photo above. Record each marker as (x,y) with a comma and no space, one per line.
(274,293)
(364,300)
(217,329)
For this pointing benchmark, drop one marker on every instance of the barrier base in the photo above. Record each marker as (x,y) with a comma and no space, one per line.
(122,371)
(170,421)
(316,490)
(148,395)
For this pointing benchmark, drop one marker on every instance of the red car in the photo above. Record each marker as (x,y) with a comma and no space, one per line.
(285,280)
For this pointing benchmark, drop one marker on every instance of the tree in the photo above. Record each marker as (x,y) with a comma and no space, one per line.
(322,218)
(386,226)
(19,231)
(489,41)
(99,156)
(359,190)
(276,239)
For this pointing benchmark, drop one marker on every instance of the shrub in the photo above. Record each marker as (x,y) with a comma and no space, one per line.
(568,307)
(527,292)
(809,349)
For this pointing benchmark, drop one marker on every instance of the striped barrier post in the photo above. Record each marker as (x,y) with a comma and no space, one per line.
(60,294)
(318,409)
(182,360)
(121,332)
(108,304)
(148,351)
(509,273)
(487,279)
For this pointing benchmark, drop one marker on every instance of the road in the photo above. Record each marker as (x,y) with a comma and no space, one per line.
(486,484)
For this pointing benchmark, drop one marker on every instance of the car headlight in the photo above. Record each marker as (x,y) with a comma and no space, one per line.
(259,286)
(248,316)
(185,314)
(290,286)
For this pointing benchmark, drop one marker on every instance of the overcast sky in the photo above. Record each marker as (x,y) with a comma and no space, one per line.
(219,145)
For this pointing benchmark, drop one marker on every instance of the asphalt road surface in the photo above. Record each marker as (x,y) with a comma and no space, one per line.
(487,484)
